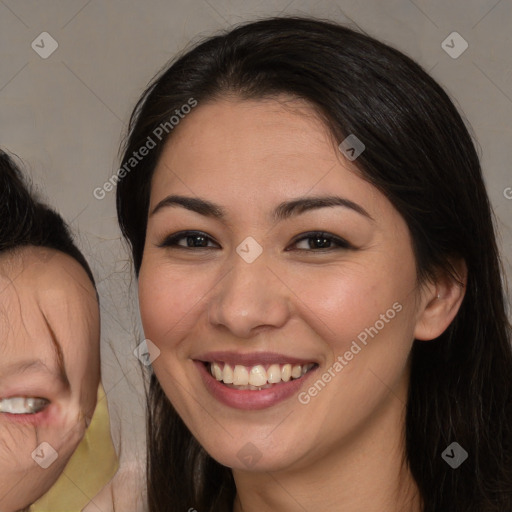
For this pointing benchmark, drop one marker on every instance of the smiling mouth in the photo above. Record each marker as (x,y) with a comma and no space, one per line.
(257,377)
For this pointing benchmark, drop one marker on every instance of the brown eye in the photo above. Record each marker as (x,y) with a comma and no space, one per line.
(193,239)
(322,242)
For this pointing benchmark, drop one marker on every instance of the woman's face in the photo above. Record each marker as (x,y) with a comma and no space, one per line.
(315,329)
(49,369)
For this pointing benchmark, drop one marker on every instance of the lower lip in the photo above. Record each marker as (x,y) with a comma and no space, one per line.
(247,399)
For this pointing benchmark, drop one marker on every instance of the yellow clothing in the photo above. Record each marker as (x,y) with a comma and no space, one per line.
(89,469)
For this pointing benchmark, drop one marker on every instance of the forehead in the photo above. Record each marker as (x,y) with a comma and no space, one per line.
(242,132)
(258,151)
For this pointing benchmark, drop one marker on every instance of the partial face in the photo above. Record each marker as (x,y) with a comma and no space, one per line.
(280,323)
(49,369)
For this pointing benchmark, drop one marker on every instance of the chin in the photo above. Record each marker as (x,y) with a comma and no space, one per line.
(256,456)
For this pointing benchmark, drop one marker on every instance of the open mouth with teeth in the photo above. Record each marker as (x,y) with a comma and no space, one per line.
(32,410)
(23,405)
(258,377)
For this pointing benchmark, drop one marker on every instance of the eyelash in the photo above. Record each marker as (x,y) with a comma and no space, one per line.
(171,241)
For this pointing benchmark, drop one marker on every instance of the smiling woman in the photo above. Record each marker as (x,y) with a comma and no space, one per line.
(49,354)
(275,262)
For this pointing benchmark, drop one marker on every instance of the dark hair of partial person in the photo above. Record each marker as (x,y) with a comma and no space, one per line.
(26,221)
(420,155)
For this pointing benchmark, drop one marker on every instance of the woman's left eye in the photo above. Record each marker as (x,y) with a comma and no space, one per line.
(321,241)
(23,405)
(197,239)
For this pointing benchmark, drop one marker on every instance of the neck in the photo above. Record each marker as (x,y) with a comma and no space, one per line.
(366,472)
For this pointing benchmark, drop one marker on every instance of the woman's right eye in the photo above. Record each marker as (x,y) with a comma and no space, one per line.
(23,405)
(193,239)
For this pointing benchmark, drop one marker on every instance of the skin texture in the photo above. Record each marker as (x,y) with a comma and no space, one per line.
(342,450)
(48,305)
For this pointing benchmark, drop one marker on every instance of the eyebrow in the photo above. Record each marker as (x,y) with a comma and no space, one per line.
(283,211)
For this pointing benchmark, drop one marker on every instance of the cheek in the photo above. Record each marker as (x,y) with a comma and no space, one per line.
(91,375)
(341,304)
(21,447)
(84,372)
(168,300)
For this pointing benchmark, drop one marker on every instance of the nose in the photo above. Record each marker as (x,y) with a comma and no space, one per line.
(249,299)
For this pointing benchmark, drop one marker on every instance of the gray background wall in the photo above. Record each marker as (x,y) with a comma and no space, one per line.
(65,116)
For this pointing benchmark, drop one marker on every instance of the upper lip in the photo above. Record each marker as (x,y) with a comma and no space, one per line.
(250,359)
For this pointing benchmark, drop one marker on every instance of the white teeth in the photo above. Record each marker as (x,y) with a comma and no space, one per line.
(240,376)
(296,371)
(216,371)
(286,372)
(256,377)
(22,405)
(274,374)
(227,374)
